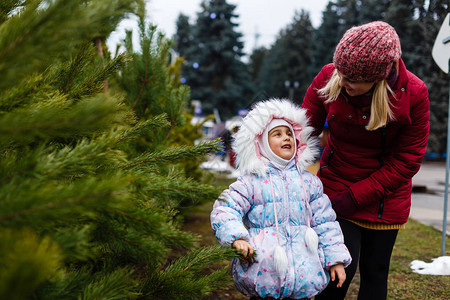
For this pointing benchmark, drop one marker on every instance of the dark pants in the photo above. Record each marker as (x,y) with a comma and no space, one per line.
(373,248)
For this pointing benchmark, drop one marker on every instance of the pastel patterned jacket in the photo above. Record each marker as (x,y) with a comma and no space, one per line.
(246,211)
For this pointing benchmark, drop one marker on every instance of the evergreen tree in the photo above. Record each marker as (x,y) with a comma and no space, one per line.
(270,80)
(255,62)
(430,20)
(325,38)
(213,68)
(400,15)
(84,212)
(336,19)
(373,10)
(183,36)
(298,55)
(286,70)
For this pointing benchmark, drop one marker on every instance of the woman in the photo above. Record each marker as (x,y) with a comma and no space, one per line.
(378,120)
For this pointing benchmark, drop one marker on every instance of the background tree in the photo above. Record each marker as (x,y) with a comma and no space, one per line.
(417,23)
(183,36)
(85,212)
(430,19)
(325,38)
(288,61)
(213,68)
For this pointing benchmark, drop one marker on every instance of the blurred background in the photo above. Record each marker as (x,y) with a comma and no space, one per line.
(238,52)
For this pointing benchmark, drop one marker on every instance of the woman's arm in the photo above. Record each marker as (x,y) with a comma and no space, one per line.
(406,157)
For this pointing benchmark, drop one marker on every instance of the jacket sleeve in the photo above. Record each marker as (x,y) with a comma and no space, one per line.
(228,213)
(314,103)
(323,221)
(406,156)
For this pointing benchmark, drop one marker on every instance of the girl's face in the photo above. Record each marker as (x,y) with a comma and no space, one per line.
(281,141)
(354,88)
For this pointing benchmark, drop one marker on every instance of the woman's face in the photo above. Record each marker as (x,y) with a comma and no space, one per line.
(354,88)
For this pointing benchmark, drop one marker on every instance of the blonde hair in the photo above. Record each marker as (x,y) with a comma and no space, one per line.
(380,110)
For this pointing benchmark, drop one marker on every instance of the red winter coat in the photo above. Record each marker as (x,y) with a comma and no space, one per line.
(376,165)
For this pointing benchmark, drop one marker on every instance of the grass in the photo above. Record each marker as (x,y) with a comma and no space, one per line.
(417,241)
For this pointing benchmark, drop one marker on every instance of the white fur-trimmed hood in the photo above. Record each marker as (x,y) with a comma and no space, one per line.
(246,145)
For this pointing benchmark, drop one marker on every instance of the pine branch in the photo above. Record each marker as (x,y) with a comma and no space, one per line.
(159,121)
(57,118)
(181,278)
(39,260)
(45,205)
(115,285)
(151,225)
(26,92)
(59,23)
(87,157)
(178,193)
(200,258)
(175,153)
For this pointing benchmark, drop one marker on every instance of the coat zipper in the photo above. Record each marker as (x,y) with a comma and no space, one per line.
(328,160)
(380,159)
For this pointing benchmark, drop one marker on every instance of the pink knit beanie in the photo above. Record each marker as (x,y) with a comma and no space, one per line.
(366,52)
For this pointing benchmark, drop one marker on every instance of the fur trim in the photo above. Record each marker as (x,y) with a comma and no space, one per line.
(311,240)
(245,144)
(280,261)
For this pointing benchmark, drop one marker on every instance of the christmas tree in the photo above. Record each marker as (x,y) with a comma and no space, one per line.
(90,193)
(213,67)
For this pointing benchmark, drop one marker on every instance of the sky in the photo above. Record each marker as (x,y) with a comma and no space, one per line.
(263,17)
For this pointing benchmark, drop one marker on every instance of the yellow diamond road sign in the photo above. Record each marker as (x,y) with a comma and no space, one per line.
(441,48)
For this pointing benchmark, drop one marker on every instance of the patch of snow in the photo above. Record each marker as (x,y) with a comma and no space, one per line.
(217,163)
(439,266)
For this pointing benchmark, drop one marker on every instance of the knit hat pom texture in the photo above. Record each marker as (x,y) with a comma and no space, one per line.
(367,52)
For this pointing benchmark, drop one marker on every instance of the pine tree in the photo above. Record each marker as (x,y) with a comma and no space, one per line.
(183,36)
(297,43)
(84,211)
(213,68)
(430,20)
(286,70)
(270,79)
(326,37)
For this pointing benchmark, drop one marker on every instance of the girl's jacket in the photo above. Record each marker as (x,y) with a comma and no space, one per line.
(377,166)
(246,211)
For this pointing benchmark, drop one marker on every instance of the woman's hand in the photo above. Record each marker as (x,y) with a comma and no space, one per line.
(339,271)
(343,203)
(244,248)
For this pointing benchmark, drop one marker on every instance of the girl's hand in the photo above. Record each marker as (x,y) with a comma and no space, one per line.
(339,271)
(243,248)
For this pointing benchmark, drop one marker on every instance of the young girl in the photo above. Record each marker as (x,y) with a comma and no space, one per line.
(278,210)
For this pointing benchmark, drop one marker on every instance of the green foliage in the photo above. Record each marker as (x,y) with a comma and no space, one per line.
(417,24)
(285,64)
(39,259)
(183,37)
(153,85)
(29,35)
(194,285)
(90,190)
(213,68)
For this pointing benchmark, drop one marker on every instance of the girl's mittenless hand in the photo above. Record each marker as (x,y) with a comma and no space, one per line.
(244,248)
(339,272)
